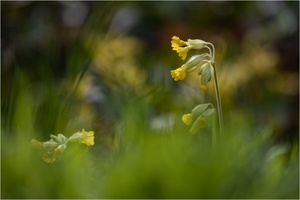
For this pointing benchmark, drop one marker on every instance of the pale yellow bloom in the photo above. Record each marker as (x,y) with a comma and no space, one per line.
(87,138)
(180,47)
(201,122)
(179,73)
(183,47)
(203,88)
(187,119)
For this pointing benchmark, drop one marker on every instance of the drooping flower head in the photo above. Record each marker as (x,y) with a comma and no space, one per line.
(179,73)
(200,122)
(187,119)
(201,112)
(180,47)
(183,47)
(203,88)
(54,148)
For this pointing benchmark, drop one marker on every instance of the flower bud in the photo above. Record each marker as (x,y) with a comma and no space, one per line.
(199,109)
(193,62)
(206,73)
(203,88)
(187,119)
(60,138)
(200,122)
(196,43)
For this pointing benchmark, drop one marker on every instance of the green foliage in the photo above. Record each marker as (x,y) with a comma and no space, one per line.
(58,78)
(152,164)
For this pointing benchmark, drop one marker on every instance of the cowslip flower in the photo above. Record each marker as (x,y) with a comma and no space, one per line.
(85,137)
(183,47)
(187,119)
(54,148)
(179,73)
(203,88)
(202,112)
(200,122)
(189,66)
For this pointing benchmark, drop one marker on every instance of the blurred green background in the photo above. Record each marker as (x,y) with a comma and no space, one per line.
(105,66)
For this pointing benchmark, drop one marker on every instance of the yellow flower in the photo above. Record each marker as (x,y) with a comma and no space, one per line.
(180,47)
(177,42)
(201,122)
(187,119)
(179,73)
(182,52)
(183,47)
(203,88)
(87,138)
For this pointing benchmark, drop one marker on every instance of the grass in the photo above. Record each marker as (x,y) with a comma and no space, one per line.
(141,162)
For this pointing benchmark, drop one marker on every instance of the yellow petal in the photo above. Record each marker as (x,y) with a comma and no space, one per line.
(187,119)
(203,88)
(88,137)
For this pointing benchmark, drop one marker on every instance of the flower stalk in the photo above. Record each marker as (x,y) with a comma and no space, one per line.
(207,68)
(53,149)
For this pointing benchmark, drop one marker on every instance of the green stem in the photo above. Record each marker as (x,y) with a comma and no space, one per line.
(218,97)
(219,103)
(214,135)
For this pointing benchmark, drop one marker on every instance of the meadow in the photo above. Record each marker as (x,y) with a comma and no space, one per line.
(119,88)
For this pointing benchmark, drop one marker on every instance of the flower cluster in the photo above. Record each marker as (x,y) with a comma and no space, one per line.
(203,62)
(198,117)
(54,148)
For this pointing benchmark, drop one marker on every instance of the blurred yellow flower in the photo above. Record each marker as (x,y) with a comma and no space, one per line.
(179,73)
(201,122)
(203,88)
(187,119)
(87,138)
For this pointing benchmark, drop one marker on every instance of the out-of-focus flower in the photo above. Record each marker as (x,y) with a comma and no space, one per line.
(187,119)
(87,138)
(200,122)
(54,148)
(202,112)
(203,88)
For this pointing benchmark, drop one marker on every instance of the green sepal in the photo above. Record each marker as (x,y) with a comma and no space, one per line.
(194,61)
(205,65)
(199,109)
(206,74)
